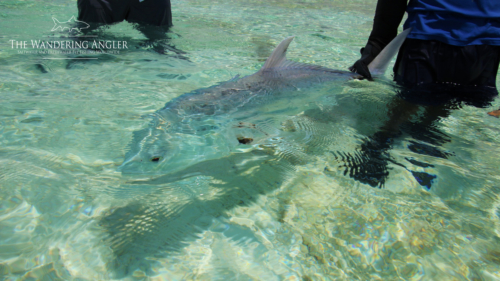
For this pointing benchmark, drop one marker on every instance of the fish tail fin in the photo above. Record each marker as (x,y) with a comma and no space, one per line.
(57,24)
(378,66)
(278,57)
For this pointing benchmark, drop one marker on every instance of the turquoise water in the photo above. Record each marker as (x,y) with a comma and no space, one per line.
(278,209)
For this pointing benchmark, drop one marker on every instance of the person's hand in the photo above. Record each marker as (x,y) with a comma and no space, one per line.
(368,53)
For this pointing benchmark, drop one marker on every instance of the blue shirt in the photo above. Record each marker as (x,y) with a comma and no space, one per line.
(455,22)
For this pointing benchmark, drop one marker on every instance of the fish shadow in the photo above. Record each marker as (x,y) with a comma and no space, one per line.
(180,206)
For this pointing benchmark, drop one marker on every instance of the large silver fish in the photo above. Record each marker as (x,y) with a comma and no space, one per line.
(212,122)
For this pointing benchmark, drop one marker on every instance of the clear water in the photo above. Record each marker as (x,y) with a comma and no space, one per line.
(269,212)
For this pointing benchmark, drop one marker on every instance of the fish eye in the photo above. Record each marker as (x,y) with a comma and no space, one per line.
(155,159)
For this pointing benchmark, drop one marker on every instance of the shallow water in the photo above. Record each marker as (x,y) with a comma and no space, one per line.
(278,209)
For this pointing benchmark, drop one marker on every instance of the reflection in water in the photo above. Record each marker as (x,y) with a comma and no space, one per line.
(416,113)
(157,39)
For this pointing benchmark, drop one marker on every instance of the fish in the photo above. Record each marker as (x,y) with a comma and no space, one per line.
(213,122)
(70,25)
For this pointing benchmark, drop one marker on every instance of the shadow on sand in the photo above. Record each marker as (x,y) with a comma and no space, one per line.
(182,205)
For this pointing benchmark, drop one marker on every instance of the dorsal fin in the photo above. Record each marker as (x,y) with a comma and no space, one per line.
(278,57)
(380,63)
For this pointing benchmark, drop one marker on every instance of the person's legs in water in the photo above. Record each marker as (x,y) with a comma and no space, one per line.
(443,77)
(102,12)
(436,78)
(147,13)
(152,12)
(421,63)
(153,18)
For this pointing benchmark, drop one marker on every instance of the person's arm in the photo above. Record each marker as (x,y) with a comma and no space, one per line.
(388,16)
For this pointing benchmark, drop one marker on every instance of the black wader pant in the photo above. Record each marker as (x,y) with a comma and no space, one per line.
(152,12)
(433,71)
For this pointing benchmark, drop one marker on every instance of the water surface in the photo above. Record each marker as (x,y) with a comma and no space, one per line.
(281,209)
